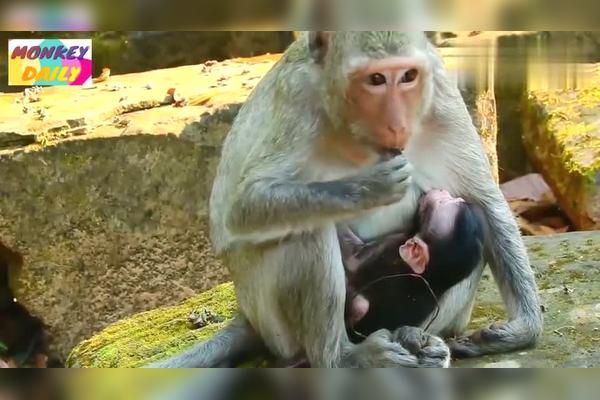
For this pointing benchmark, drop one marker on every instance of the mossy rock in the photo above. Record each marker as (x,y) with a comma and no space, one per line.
(154,335)
(566,266)
(113,221)
(562,137)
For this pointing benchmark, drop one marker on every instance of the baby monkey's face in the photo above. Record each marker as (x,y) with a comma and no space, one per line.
(437,213)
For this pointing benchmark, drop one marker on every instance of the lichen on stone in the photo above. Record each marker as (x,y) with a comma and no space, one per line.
(561,134)
(567,115)
(154,335)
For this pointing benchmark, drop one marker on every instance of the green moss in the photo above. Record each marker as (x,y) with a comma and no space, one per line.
(575,276)
(535,248)
(564,113)
(154,335)
(75,161)
(543,284)
(486,313)
(562,138)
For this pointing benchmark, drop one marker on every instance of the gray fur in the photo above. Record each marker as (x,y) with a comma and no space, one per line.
(276,202)
(234,343)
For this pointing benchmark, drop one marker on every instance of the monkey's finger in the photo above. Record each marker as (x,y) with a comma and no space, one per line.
(399,167)
(440,351)
(443,361)
(398,162)
(401,358)
(463,347)
(411,338)
(402,175)
(384,340)
(382,334)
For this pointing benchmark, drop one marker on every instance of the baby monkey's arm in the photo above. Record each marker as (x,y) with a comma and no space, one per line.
(358,255)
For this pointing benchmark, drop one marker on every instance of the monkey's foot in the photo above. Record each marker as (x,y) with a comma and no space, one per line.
(497,338)
(405,347)
(431,351)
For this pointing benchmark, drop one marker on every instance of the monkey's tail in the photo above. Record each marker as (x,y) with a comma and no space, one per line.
(227,348)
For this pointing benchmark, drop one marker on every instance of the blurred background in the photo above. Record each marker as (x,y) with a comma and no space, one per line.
(300,385)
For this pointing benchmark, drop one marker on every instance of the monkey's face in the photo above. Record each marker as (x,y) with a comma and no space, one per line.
(386,98)
(438,211)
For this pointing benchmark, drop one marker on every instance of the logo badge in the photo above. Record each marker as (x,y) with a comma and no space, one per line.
(49,62)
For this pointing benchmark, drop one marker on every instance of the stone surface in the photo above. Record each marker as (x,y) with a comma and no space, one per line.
(113,222)
(562,138)
(567,268)
(132,104)
(155,334)
(106,199)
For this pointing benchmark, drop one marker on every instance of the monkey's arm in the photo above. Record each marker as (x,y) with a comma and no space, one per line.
(271,208)
(358,256)
(463,154)
(508,260)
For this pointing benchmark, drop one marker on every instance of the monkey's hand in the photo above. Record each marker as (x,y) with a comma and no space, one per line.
(497,338)
(384,183)
(431,351)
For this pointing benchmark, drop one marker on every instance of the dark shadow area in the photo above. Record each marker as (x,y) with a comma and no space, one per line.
(31,385)
(23,339)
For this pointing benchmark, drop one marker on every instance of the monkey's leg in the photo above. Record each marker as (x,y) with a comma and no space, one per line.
(456,306)
(311,298)
(510,266)
(236,342)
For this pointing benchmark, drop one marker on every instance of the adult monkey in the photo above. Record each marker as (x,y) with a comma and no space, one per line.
(304,154)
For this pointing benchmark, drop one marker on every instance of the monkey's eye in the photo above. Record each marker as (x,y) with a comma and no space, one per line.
(410,76)
(377,79)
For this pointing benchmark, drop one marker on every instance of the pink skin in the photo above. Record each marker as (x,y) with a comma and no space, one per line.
(415,251)
(360,307)
(390,107)
(438,197)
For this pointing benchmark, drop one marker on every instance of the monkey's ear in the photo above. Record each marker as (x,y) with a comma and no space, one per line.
(319,43)
(415,253)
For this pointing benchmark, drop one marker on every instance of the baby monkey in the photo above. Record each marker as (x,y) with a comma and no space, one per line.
(396,280)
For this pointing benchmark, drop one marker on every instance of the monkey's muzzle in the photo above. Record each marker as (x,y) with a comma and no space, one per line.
(389,153)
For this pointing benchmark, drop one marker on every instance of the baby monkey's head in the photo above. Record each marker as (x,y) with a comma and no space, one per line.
(446,225)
